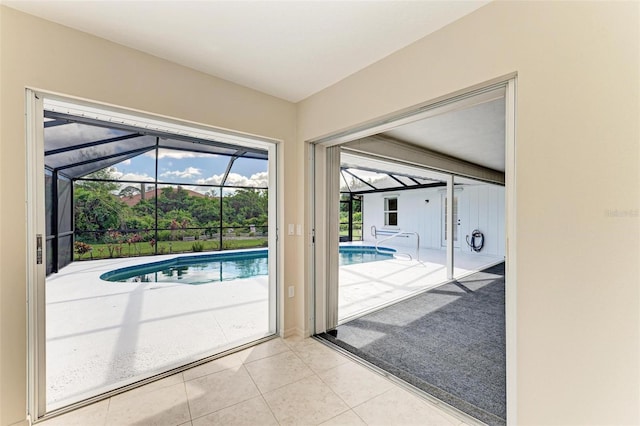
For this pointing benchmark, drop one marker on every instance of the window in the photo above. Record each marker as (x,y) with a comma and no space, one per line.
(391,211)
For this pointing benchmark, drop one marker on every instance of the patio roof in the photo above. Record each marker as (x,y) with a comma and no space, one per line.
(363,175)
(364,181)
(77,146)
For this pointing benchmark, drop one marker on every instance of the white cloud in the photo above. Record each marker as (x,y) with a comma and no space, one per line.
(260,179)
(131,176)
(189,172)
(126,162)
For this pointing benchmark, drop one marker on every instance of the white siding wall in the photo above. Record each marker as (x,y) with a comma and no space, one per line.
(479,207)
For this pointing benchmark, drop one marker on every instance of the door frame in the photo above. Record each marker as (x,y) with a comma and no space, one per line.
(36,257)
(320,221)
(35,221)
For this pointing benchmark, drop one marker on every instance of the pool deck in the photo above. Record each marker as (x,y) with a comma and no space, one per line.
(101,335)
(368,286)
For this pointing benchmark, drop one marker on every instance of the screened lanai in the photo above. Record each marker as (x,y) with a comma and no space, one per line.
(360,176)
(389,205)
(133,163)
(120,187)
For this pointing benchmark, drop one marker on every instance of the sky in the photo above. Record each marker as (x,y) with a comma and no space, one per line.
(191,169)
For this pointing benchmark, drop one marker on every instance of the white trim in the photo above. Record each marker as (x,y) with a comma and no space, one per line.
(449,227)
(36,308)
(332,200)
(319,248)
(387,211)
(274,263)
(151,122)
(310,300)
(511,300)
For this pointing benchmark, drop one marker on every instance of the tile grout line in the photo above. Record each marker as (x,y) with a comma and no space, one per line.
(287,384)
(106,417)
(325,383)
(261,393)
(186,394)
(349,407)
(222,408)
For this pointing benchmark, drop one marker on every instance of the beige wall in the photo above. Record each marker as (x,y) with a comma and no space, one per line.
(39,54)
(577,136)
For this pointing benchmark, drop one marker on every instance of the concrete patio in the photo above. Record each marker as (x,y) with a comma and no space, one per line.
(367,286)
(102,335)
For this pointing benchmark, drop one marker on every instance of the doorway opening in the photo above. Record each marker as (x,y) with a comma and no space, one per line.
(460,151)
(156,248)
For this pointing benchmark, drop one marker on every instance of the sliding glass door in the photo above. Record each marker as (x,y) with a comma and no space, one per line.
(158,249)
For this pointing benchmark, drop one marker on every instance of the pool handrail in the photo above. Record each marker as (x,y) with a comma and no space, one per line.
(398,233)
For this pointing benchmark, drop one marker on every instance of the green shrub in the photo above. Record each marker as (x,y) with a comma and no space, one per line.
(197,246)
(164,235)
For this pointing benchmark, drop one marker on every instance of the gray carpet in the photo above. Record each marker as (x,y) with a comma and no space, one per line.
(449,342)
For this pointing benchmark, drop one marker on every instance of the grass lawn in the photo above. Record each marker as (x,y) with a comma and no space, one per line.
(101,251)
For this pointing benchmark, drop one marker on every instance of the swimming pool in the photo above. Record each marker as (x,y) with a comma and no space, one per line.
(350,255)
(225,266)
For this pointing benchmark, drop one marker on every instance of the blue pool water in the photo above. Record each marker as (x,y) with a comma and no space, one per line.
(216,267)
(350,255)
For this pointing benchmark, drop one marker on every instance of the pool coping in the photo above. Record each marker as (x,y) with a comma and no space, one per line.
(182,259)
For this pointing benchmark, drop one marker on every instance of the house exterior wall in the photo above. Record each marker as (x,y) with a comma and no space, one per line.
(39,54)
(577,184)
(479,207)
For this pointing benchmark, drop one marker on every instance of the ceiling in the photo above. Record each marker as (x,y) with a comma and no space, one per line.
(472,129)
(475,134)
(288,49)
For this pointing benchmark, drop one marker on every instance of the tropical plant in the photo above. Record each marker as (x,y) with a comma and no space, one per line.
(81,248)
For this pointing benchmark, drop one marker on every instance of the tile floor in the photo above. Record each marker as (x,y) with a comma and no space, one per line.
(290,381)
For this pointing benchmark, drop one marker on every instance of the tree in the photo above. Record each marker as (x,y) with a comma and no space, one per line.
(144,208)
(173,199)
(205,210)
(99,185)
(132,220)
(129,191)
(96,210)
(246,204)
